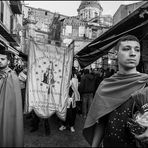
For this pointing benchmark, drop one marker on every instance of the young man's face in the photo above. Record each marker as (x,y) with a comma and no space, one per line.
(3,61)
(128,54)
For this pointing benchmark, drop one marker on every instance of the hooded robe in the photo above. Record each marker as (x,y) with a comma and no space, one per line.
(11,115)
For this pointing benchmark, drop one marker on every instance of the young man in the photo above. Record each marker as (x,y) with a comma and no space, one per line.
(106,123)
(11,115)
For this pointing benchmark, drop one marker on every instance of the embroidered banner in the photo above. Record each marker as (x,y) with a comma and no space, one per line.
(48,79)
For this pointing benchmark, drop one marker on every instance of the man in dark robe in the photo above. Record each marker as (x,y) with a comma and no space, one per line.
(11,115)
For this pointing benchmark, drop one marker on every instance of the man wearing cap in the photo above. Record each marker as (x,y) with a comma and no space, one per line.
(11,115)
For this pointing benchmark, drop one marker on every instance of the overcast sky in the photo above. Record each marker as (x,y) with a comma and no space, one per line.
(69,8)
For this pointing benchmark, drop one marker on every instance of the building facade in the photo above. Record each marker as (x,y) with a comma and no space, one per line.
(88,24)
(11,30)
(11,24)
(38,24)
(85,27)
(124,10)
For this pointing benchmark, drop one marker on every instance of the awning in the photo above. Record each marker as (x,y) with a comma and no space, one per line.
(23,55)
(13,50)
(136,23)
(18,52)
(10,48)
(6,34)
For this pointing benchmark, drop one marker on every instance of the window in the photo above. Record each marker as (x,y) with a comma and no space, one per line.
(68,30)
(63,31)
(81,31)
(1,11)
(94,33)
(129,12)
(96,14)
(40,38)
(101,20)
(46,12)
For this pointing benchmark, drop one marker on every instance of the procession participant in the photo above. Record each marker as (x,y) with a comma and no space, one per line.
(11,115)
(22,79)
(106,123)
(72,100)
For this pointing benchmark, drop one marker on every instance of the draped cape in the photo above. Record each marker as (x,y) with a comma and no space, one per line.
(111,93)
(11,115)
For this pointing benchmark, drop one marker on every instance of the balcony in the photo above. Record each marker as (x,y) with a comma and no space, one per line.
(16,7)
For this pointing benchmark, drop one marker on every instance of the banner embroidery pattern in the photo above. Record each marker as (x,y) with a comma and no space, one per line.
(48,79)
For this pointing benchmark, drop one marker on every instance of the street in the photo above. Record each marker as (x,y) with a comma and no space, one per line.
(56,138)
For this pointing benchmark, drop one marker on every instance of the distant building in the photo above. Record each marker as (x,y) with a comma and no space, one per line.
(86,26)
(38,24)
(89,9)
(11,24)
(124,10)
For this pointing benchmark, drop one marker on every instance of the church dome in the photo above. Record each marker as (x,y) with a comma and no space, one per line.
(94,4)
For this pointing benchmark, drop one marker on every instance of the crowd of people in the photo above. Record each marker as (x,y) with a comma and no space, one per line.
(103,98)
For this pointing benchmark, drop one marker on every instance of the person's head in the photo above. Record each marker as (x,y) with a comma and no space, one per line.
(73,69)
(25,70)
(4,55)
(128,53)
(86,71)
(112,71)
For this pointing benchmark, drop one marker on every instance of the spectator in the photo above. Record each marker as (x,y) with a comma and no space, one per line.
(112,71)
(99,78)
(107,73)
(87,89)
(23,78)
(11,116)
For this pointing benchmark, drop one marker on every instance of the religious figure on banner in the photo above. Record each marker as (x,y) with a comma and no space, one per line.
(49,70)
(48,77)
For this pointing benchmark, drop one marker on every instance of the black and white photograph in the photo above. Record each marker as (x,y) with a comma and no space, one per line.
(74,73)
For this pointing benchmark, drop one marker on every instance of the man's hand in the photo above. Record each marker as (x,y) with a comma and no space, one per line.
(143,137)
